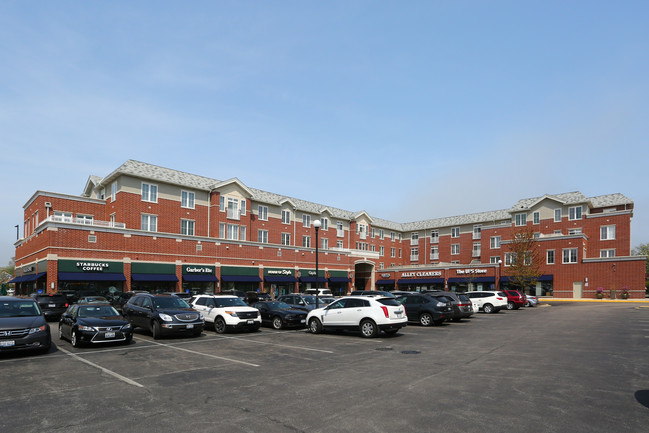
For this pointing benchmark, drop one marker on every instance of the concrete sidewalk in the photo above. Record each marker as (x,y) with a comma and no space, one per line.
(551,299)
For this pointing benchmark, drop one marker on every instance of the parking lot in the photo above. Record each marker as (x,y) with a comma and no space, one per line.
(562,367)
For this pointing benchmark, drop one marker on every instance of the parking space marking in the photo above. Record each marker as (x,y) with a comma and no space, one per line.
(200,353)
(104,370)
(273,344)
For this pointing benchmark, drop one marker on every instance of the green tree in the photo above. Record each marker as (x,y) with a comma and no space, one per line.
(7,272)
(642,250)
(524,267)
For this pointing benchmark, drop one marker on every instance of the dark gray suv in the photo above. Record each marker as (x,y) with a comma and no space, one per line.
(462,305)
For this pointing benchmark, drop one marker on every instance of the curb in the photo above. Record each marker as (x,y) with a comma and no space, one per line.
(614,301)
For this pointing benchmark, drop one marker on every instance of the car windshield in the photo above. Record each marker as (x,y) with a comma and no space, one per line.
(229,302)
(19,308)
(169,302)
(389,302)
(278,305)
(97,311)
(309,299)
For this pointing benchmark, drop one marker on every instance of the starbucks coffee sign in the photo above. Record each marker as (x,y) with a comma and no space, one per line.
(92,266)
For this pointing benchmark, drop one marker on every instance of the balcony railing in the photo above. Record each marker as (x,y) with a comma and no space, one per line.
(234,214)
(85,222)
(414,257)
(477,236)
(434,256)
(340,233)
(476,253)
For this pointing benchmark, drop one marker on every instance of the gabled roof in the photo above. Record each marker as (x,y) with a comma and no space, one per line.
(91,184)
(234,181)
(359,214)
(565,199)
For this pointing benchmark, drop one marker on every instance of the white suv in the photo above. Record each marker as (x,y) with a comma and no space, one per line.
(359,313)
(488,301)
(226,312)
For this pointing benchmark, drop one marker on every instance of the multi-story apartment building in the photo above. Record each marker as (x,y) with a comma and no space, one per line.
(153,228)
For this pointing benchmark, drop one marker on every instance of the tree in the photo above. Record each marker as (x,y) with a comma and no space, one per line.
(524,264)
(642,250)
(7,272)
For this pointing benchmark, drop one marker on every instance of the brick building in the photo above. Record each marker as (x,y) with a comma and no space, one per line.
(152,228)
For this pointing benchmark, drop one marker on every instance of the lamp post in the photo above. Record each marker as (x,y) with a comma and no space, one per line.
(500,273)
(317,225)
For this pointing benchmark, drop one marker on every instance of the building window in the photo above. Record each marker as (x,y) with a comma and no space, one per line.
(557,215)
(286,216)
(92,238)
(81,219)
(263,212)
(494,259)
(222,203)
(306,220)
(222,230)
(570,255)
(324,222)
(607,253)
(572,232)
(434,252)
(455,232)
(286,239)
(149,223)
(477,232)
(494,242)
(324,243)
(414,238)
(509,259)
(233,232)
(574,213)
(243,207)
(381,251)
(414,254)
(381,234)
(536,217)
(262,236)
(187,227)
(434,236)
(393,252)
(549,257)
(187,199)
(233,209)
(340,232)
(306,241)
(476,249)
(339,244)
(393,236)
(455,249)
(149,192)
(520,219)
(242,233)
(113,191)
(607,233)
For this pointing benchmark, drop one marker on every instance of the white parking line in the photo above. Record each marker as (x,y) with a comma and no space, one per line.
(273,344)
(200,353)
(105,370)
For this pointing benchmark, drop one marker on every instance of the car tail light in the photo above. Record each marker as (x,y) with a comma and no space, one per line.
(385,311)
(500,299)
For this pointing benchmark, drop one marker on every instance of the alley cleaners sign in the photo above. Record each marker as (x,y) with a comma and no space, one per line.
(421,274)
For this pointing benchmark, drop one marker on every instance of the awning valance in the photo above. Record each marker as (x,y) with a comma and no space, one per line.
(201,278)
(154,277)
(91,276)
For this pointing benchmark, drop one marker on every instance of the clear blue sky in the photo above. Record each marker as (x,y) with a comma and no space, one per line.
(409,110)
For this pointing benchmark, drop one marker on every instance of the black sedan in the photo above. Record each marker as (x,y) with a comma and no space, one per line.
(22,326)
(94,323)
(280,315)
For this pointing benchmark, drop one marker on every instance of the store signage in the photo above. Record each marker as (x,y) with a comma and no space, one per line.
(29,269)
(286,272)
(421,274)
(386,275)
(470,271)
(198,270)
(92,266)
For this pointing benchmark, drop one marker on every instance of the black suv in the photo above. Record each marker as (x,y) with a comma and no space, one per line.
(53,305)
(372,293)
(462,305)
(426,309)
(163,315)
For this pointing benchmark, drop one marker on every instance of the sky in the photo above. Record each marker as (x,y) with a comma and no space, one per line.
(408,110)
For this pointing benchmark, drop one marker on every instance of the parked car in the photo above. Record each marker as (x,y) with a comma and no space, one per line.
(366,314)
(531,301)
(183,295)
(227,312)
(254,297)
(163,315)
(372,293)
(427,309)
(52,305)
(300,301)
(488,301)
(515,299)
(280,315)
(94,323)
(462,305)
(238,293)
(92,300)
(321,292)
(23,326)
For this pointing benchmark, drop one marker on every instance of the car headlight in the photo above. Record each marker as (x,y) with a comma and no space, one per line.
(126,327)
(86,328)
(166,318)
(39,329)
(232,313)
(200,315)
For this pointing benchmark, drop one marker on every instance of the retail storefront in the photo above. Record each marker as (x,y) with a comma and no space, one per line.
(199,279)
(154,277)
(307,279)
(279,281)
(77,278)
(338,282)
(420,280)
(30,279)
(240,278)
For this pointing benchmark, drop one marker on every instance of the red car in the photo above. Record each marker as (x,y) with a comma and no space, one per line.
(515,299)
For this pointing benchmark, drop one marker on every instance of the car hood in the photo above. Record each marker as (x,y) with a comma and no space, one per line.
(290,311)
(102,321)
(174,311)
(7,323)
(316,312)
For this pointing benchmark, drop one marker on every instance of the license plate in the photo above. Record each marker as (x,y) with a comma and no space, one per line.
(51,305)
(190,326)
(251,322)
(109,335)
(7,343)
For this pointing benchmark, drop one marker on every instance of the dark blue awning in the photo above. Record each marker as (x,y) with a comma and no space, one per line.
(280,279)
(201,278)
(339,280)
(154,277)
(91,276)
(33,277)
(421,281)
(385,282)
(16,280)
(546,277)
(241,278)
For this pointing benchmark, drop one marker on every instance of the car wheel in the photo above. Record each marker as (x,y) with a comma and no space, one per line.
(368,329)
(315,326)
(510,305)
(425,319)
(527,304)
(74,339)
(156,330)
(60,333)
(488,308)
(219,325)
(277,322)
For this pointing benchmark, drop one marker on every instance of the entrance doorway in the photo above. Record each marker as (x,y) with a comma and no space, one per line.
(363,276)
(577,289)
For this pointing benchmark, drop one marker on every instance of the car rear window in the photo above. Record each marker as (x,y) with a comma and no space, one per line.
(463,298)
(391,302)
(51,298)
